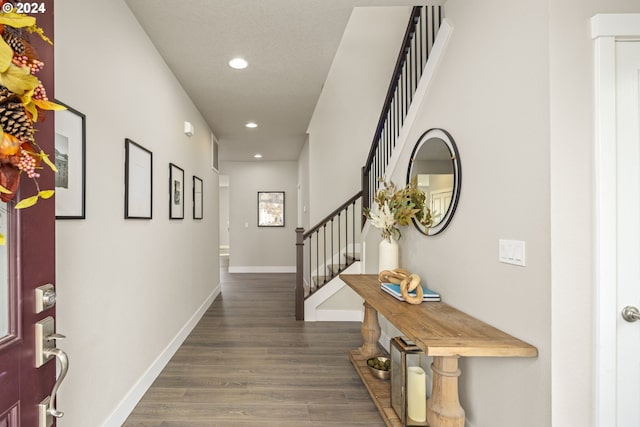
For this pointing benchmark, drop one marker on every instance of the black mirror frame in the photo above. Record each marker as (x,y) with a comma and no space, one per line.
(457,176)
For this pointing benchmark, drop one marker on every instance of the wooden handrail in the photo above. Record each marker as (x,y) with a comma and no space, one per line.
(397,71)
(318,234)
(404,81)
(333,214)
(419,37)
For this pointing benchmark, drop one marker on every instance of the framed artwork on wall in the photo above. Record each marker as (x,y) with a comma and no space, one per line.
(270,208)
(138,181)
(197,198)
(70,159)
(176,192)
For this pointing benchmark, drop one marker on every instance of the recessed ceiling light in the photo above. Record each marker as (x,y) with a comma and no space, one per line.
(257,156)
(251,125)
(238,63)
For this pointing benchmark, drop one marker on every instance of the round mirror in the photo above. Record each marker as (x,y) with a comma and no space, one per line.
(436,164)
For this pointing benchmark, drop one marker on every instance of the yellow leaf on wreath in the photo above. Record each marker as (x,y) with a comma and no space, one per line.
(17,20)
(32,111)
(48,105)
(48,162)
(46,194)
(6,55)
(2,239)
(18,80)
(27,203)
(4,190)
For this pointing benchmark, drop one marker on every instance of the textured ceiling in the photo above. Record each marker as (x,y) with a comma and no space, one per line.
(289,44)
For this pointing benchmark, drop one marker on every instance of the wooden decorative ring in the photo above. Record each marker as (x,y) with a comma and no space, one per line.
(404,290)
(395,276)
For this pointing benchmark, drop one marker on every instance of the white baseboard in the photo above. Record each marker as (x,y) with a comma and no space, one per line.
(263,269)
(129,402)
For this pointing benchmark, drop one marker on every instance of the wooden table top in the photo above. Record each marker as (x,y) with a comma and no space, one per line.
(437,328)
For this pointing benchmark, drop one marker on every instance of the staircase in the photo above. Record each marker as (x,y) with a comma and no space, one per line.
(333,245)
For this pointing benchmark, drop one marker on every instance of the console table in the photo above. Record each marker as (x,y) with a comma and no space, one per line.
(440,331)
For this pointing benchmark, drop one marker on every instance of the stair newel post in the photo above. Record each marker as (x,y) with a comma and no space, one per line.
(299,272)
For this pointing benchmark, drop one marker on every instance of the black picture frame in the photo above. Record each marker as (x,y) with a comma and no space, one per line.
(138,181)
(198,198)
(176,192)
(70,160)
(271,209)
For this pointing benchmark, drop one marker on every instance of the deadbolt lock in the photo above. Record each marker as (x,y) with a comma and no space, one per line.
(45,297)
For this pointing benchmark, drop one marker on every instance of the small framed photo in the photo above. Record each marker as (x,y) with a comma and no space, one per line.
(138,181)
(270,208)
(70,159)
(176,192)
(197,198)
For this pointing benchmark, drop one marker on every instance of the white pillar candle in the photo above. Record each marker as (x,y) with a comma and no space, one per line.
(416,394)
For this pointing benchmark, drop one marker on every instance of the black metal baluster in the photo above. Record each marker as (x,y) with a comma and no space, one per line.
(317,259)
(420,40)
(332,234)
(332,255)
(310,269)
(324,250)
(353,243)
(433,25)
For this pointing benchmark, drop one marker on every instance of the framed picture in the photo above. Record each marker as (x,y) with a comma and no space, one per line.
(270,208)
(70,144)
(138,181)
(176,192)
(197,198)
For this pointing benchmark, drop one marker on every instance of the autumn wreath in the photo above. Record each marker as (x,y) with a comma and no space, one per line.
(22,100)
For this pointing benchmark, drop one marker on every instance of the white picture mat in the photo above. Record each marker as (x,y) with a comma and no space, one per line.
(176,192)
(197,198)
(69,201)
(139,197)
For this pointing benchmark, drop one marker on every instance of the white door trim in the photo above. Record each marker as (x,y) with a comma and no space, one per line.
(606,29)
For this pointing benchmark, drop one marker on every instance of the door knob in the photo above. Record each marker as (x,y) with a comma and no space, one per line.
(45,351)
(630,313)
(64,368)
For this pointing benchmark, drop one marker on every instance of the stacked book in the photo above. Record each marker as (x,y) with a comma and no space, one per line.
(394,290)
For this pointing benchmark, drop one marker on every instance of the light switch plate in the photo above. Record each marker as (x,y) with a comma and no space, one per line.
(512,252)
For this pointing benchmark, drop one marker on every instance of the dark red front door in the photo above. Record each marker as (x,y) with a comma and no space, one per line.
(31,263)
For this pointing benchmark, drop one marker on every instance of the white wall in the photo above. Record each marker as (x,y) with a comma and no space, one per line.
(303,185)
(491,93)
(521,111)
(571,133)
(253,248)
(126,288)
(344,120)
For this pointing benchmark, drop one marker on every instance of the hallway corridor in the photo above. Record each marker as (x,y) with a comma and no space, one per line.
(249,363)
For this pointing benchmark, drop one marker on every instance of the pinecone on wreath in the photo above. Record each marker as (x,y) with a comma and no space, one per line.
(14,39)
(13,117)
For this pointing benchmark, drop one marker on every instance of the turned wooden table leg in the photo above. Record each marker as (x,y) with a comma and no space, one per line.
(370,332)
(443,407)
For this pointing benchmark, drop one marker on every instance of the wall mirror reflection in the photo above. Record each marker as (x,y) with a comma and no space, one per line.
(436,163)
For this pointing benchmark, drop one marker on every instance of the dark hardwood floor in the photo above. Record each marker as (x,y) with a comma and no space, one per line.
(249,363)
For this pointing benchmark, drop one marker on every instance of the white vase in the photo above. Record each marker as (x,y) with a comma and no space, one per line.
(388,258)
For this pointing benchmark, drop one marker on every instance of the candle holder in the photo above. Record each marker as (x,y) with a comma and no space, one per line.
(408,382)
